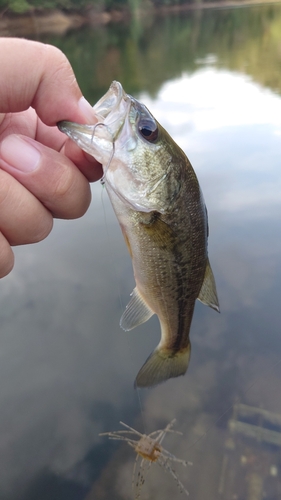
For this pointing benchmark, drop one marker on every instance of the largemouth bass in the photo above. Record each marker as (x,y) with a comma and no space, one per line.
(160,208)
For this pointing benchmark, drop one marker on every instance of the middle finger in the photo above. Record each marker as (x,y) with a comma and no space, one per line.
(23,219)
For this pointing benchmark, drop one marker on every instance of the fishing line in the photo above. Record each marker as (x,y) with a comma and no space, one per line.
(112,259)
(102,181)
(122,309)
(232,406)
(110,246)
(141,408)
(100,124)
(122,306)
(105,169)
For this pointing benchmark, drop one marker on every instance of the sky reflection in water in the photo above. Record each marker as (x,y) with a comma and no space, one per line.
(66,368)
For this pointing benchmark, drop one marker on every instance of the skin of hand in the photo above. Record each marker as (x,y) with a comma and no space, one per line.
(43,175)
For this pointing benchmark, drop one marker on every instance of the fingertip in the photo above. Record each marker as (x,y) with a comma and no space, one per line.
(86,163)
(87,111)
(45,80)
(71,195)
(92,170)
(7,257)
(55,182)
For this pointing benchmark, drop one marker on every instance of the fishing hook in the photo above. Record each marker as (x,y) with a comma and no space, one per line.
(100,124)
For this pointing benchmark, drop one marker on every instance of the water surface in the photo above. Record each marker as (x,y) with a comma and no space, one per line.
(213,80)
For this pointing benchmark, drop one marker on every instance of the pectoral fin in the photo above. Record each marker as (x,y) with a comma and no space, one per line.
(136,312)
(208,292)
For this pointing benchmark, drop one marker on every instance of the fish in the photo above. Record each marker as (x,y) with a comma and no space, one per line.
(158,202)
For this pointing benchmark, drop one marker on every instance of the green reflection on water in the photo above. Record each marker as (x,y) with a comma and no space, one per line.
(241,39)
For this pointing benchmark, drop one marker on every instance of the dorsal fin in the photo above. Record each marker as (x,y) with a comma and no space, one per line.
(208,293)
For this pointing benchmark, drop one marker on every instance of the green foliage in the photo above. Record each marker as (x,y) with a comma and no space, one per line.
(21,6)
(245,40)
(17,6)
(111,4)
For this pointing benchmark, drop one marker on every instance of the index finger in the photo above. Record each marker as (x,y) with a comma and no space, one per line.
(39,75)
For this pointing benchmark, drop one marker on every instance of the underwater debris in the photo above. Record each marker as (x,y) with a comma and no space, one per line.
(149,450)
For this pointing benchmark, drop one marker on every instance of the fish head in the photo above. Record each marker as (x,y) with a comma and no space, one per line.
(136,153)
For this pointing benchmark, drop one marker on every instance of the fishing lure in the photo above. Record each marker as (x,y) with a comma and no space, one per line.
(148,449)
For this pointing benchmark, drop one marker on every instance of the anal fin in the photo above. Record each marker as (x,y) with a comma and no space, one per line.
(136,312)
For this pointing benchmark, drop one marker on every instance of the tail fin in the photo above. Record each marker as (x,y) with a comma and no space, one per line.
(161,365)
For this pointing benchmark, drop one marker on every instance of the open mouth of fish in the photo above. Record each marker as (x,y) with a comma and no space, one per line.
(116,111)
(123,123)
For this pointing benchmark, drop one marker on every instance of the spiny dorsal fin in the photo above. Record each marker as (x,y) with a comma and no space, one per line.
(208,293)
(136,312)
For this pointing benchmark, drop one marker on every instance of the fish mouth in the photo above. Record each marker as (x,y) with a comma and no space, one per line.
(96,140)
(111,101)
(116,135)
(112,112)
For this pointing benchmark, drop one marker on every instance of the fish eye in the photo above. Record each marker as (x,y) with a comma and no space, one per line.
(148,129)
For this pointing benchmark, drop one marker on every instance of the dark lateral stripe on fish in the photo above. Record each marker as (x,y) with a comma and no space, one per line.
(181,339)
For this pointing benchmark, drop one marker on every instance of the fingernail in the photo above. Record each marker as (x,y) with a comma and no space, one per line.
(19,153)
(87,110)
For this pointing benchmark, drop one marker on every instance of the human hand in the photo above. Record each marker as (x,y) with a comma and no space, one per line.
(39,178)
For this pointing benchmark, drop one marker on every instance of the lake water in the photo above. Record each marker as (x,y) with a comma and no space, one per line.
(213,80)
